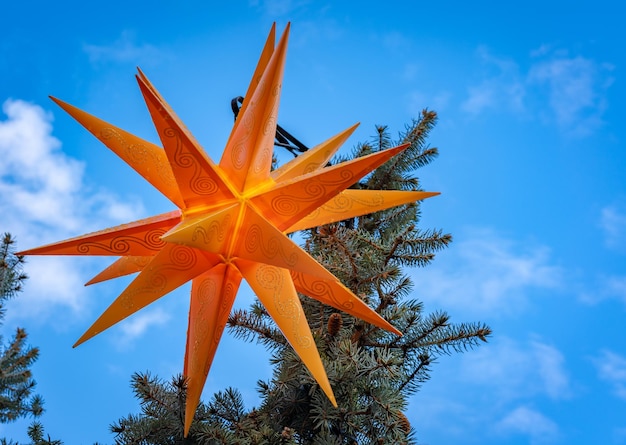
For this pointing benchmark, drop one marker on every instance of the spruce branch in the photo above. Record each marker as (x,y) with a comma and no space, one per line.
(250,325)
(12,277)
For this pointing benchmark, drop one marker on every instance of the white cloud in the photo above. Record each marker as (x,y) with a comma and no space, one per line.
(448,414)
(613,224)
(607,288)
(502,87)
(37,178)
(510,370)
(576,88)
(43,199)
(135,326)
(480,393)
(543,50)
(410,71)
(616,287)
(124,50)
(619,435)
(612,368)
(396,41)
(278,8)
(524,420)
(56,282)
(486,274)
(569,91)
(438,101)
(480,98)
(550,366)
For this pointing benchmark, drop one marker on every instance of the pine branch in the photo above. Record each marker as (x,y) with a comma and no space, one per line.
(421,368)
(227,406)
(348,254)
(249,326)
(391,174)
(12,277)
(17,357)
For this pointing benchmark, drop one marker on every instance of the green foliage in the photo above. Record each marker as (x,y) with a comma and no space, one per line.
(223,421)
(11,275)
(38,436)
(17,357)
(372,372)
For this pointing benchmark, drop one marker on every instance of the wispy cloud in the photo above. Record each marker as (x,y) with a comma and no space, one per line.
(569,92)
(278,8)
(527,421)
(138,324)
(612,369)
(512,370)
(124,50)
(438,101)
(502,87)
(616,287)
(43,198)
(613,224)
(619,435)
(576,90)
(396,41)
(611,287)
(488,275)
(498,382)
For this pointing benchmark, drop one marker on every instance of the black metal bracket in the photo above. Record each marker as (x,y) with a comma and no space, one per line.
(282,139)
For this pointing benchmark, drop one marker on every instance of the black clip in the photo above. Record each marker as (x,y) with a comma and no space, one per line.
(282,139)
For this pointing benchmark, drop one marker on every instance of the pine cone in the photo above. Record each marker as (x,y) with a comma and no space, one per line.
(404,422)
(334,324)
(287,433)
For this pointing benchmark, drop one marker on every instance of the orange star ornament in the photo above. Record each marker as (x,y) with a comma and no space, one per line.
(231,223)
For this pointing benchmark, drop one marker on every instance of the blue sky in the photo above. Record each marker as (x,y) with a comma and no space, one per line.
(531,109)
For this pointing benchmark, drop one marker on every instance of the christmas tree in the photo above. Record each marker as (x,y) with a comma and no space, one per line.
(373,372)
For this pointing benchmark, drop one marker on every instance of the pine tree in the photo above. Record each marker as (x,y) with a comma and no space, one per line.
(373,373)
(16,357)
